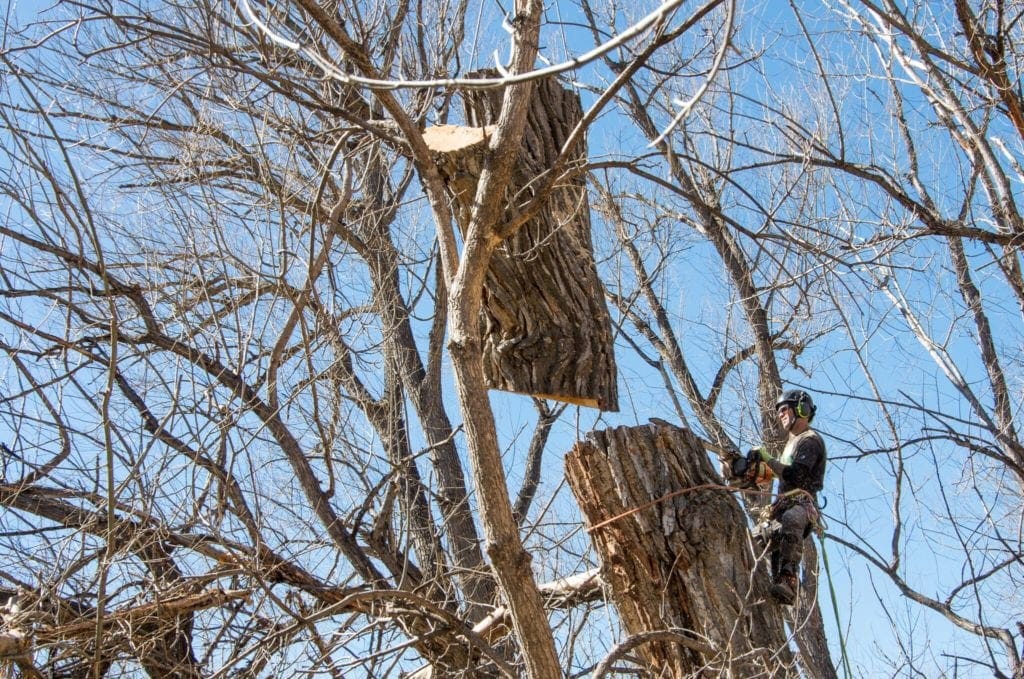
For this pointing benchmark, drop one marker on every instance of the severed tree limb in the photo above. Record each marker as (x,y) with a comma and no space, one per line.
(545,326)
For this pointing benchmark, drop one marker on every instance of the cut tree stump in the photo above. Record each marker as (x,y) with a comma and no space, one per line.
(676,555)
(546,328)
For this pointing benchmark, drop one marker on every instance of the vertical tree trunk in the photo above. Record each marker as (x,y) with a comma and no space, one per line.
(676,554)
(466,275)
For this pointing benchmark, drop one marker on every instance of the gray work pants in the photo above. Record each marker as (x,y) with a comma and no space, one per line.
(788,541)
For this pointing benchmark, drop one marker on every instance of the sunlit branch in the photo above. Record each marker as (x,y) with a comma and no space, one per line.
(635,31)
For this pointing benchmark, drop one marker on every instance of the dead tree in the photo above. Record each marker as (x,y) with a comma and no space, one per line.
(676,555)
(546,328)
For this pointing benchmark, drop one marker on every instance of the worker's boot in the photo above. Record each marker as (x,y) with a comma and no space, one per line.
(784,589)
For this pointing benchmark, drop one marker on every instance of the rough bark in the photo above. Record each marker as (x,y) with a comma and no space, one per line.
(805,621)
(676,554)
(545,325)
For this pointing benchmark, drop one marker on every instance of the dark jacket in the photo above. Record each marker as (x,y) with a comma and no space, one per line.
(806,469)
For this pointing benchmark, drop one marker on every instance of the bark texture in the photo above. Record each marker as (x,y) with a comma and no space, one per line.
(676,554)
(545,325)
(805,621)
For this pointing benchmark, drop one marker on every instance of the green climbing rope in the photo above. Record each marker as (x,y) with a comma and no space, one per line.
(847,671)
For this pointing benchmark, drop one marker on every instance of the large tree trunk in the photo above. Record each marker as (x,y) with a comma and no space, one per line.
(676,554)
(545,325)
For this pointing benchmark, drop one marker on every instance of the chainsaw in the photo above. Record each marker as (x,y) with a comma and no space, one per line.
(749,471)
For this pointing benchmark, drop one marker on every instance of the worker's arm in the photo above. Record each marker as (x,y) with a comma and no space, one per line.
(801,472)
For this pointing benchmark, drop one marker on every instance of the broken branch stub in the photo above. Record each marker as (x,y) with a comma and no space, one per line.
(676,554)
(545,325)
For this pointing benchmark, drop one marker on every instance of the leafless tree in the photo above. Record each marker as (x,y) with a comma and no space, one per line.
(246,427)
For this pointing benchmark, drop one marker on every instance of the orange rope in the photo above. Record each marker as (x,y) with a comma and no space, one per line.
(669,496)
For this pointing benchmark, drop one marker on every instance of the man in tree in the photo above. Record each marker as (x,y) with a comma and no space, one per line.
(801,473)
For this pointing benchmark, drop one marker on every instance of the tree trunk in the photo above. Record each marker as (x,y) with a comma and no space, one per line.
(545,325)
(466,274)
(676,554)
(805,621)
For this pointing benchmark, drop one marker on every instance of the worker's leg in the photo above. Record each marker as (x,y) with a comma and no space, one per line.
(791,538)
(787,550)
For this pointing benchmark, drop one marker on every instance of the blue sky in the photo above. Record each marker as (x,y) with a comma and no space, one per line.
(860,486)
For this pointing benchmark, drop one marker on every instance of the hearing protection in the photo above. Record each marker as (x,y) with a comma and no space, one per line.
(800,401)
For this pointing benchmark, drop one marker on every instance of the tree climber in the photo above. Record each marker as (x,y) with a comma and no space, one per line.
(801,473)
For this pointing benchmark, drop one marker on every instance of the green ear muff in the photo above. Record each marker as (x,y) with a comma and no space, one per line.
(800,401)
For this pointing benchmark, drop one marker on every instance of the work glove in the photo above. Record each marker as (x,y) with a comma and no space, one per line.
(763,453)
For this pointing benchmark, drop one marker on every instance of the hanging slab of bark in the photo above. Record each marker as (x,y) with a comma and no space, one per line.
(678,560)
(546,327)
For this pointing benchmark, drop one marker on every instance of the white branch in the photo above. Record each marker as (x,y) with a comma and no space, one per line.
(330,70)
